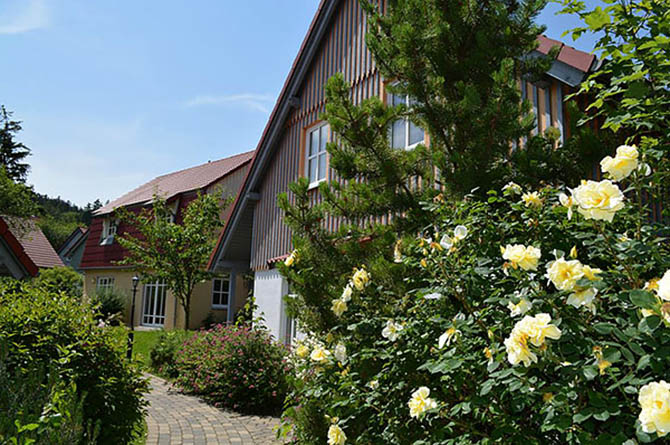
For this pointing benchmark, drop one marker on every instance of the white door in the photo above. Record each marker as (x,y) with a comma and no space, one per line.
(153,307)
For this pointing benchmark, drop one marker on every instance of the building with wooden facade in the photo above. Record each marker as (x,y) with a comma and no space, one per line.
(156,307)
(293,142)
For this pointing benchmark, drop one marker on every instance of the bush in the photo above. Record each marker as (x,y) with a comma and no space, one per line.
(42,413)
(163,353)
(237,368)
(43,328)
(509,320)
(110,306)
(60,279)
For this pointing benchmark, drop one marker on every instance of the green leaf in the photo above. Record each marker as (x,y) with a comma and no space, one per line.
(603,328)
(643,299)
(597,18)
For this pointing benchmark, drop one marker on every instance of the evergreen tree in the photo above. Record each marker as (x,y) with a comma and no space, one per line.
(12,153)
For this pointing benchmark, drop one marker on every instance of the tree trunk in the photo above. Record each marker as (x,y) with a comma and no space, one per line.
(187,312)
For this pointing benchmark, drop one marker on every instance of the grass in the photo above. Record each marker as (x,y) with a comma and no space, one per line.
(144,341)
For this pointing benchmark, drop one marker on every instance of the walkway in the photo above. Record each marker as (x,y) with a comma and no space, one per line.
(176,418)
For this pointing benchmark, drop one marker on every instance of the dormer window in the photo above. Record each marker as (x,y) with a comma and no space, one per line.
(109,227)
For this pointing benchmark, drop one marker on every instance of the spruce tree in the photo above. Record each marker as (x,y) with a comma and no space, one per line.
(12,153)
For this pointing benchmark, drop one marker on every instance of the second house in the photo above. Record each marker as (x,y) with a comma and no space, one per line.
(216,300)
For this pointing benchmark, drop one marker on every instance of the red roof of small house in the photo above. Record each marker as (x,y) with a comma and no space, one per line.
(580,60)
(181,181)
(29,245)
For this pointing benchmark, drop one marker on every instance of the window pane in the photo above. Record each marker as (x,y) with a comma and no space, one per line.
(314,142)
(224,299)
(312,169)
(225,286)
(415,134)
(217,285)
(324,138)
(322,166)
(397,100)
(398,134)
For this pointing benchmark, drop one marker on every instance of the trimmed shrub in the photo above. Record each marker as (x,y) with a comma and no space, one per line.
(237,368)
(163,353)
(44,328)
(60,279)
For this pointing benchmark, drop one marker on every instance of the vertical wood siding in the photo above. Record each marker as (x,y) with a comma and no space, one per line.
(343,50)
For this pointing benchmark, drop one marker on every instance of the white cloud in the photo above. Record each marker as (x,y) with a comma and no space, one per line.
(33,15)
(257,102)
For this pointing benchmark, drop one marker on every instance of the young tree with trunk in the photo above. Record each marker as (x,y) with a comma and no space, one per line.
(174,252)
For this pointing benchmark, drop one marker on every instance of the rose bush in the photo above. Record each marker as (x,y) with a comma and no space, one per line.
(238,368)
(535,326)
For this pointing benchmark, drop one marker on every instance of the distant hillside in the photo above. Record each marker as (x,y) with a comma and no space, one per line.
(58,218)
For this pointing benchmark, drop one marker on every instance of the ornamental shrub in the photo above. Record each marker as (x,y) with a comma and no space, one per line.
(43,329)
(238,368)
(60,279)
(164,352)
(110,306)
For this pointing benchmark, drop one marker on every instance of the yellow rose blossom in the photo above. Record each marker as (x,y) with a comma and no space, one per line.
(567,202)
(488,353)
(319,354)
(448,336)
(652,285)
(547,397)
(301,351)
(512,188)
(519,308)
(374,384)
(591,273)
(397,253)
(603,365)
(339,307)
(663,284)
(420,402)
(583,297)
(361,278)
(521,256)
(340,352)
(598,200)
(336,435)
(654,399)
(423,262)
(291,259)
(623,164)
(565,274)
(534,330)
(392,330)
(346,293)
(532,199)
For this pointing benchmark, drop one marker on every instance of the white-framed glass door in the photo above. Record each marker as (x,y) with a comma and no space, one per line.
(153,305)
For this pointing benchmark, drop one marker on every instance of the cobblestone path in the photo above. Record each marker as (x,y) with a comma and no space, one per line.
(176,418)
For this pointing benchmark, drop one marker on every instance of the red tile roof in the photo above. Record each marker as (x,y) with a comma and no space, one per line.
(580,60)
(29,244)
(181,181)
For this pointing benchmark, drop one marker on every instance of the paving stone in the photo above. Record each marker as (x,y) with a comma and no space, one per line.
(176,418)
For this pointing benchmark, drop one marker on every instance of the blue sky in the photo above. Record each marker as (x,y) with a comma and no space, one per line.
(112,94)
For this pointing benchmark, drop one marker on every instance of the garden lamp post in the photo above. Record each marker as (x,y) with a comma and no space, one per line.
(131,334)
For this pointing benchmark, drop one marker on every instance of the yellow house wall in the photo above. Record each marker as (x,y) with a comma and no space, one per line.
(201,300)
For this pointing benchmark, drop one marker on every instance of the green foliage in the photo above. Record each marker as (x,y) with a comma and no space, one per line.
(176,254)
(35,412)
(42,328)
(16,197)
(237,368)
(60,280)
(631,90)
(164,352)
(12,153)
(110,305)
(459,61)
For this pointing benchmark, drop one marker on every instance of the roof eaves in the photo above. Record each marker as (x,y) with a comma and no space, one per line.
(273,128)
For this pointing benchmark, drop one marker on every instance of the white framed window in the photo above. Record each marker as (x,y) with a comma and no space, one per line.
(404,133)
(316,154)
(109,226)
(221,292)
(104,284)
(153,305)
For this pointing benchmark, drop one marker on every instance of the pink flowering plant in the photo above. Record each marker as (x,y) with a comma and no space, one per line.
(237,368)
